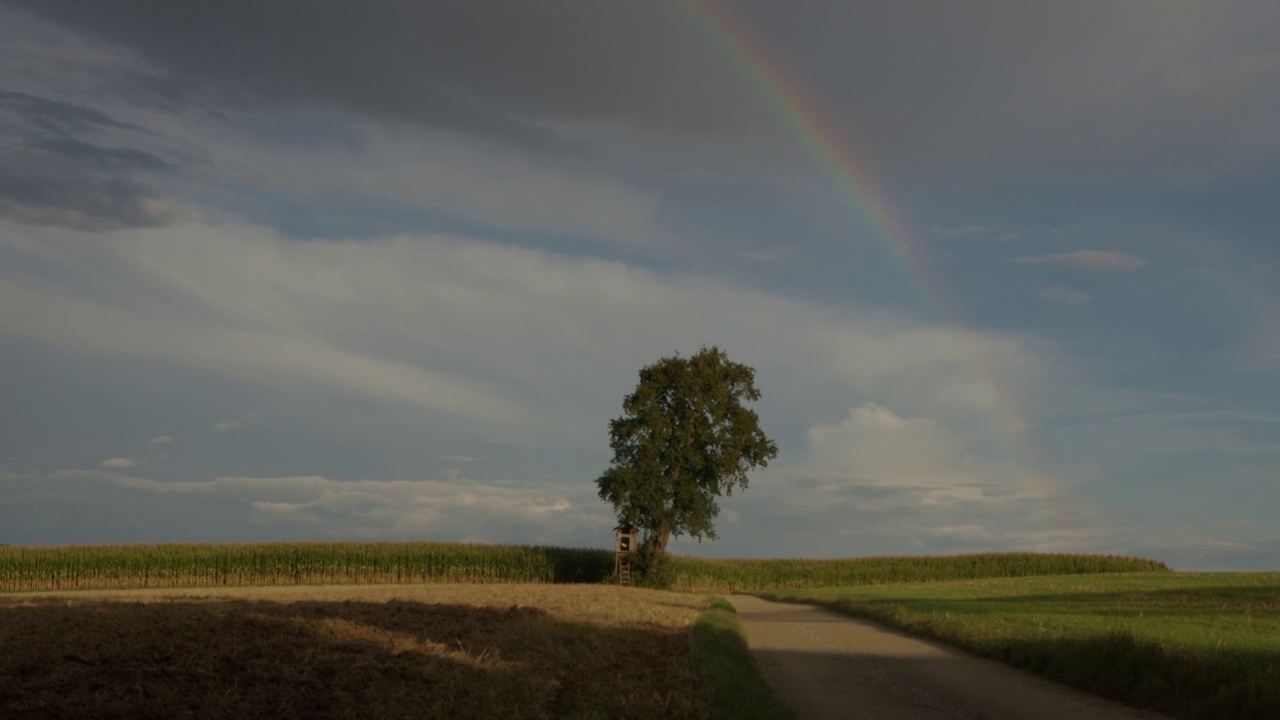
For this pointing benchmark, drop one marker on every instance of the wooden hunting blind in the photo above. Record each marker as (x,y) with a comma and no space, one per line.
(624,544)
(626,538)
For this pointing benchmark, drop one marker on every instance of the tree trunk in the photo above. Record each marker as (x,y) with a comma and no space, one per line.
(655,547)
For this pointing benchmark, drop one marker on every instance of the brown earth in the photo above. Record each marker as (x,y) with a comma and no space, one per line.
(826,665)
(456,651)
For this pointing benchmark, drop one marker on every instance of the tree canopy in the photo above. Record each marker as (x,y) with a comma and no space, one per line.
(684,439)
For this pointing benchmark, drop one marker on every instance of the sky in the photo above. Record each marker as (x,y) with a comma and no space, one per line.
(1008,272)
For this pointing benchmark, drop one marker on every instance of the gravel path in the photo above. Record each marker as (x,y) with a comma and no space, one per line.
(826,665)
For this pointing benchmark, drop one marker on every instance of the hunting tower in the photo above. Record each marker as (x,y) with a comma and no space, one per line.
(624,545)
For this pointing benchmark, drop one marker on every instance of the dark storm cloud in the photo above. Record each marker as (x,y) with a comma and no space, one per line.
(95,205)
(50,175)
(1148,91)
(52,116)
(497,69)
(1028,95)
(105,157)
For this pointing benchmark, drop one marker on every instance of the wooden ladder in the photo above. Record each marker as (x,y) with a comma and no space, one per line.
(624,571)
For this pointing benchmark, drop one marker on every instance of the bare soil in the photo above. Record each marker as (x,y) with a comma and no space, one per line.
(826,665)
(456,651)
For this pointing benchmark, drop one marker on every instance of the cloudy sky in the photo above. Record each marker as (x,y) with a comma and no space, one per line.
(1009,272)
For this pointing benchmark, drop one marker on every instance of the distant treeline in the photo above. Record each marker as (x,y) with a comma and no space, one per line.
(199,565)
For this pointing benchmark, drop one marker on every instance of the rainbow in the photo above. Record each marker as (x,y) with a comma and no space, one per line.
(850,176)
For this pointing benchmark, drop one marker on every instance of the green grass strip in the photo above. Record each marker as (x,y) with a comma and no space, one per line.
(720,655)
(1197,646)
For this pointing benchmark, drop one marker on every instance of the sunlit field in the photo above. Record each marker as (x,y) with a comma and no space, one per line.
(1194,645)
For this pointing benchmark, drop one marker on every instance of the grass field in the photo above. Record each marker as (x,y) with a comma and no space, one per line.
(456,651)
(1192,645)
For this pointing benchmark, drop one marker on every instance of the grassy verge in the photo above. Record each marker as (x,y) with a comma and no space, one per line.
(721,656)
(1193,645)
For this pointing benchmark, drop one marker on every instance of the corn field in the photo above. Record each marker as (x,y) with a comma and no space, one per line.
(700,575)
(201,565)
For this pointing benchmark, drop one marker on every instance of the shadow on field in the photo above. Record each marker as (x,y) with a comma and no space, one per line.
(822,685)
(826,685)
(245,659)
(1194,684)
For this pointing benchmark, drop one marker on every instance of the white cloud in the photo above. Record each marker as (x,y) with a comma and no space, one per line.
(118,462)
(474,181)
(461,458)
(877,414)
(1262,350)
(782,513)
(1203,459)
(1252,300)
(1065,295)
(1233,523)
(383,321)
(967,533)
(900,480)
(966,231)
(1200,551)
(703,175)
(446,508)
(1096,261)
(808,512)
(162,440)
(875,445)
(227,425)
(763,256)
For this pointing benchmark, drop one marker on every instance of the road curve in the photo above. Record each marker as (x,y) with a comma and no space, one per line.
(826,665)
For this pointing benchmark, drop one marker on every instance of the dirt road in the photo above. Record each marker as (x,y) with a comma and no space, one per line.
(826,665)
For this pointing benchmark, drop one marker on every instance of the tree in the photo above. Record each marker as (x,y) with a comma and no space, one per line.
(684,440)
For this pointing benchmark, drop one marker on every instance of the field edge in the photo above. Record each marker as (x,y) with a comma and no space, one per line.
(719,654)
